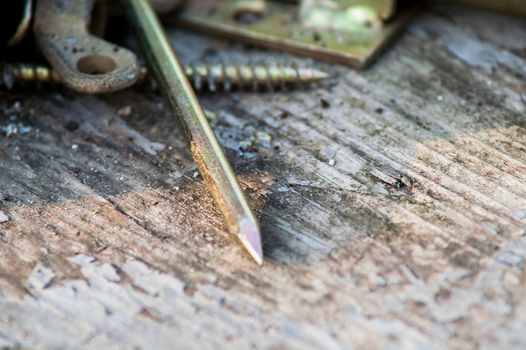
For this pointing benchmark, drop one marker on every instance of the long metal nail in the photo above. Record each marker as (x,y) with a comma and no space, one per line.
(206,151)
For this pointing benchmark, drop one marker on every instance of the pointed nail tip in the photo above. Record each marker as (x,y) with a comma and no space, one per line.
(260,262)
(257,258)
(255,252)
(251,238)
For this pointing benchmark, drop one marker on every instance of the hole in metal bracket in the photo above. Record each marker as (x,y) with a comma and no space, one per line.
(248,11)
(96,64)
(247,17)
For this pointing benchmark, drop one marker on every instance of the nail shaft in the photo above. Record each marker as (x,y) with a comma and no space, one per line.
(207,153)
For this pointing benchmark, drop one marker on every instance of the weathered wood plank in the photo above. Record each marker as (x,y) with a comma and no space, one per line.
(393,212)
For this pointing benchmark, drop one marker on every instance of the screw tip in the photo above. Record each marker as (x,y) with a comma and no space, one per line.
(310,74)
(250,237)
(319,75)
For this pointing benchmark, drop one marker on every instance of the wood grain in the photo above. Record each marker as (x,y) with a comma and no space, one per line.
(392,203)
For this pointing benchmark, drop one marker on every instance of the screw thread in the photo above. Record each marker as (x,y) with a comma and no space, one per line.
(213,77)
(27,73)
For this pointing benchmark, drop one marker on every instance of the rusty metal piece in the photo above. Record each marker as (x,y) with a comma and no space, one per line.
(346,34)
(22,10)
(86,63)
(206,151)
(210,76)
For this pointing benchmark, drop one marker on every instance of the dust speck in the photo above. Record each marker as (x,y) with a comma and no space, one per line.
(4,217)
(336,198)
(124,111)
(41,277)
(295,182)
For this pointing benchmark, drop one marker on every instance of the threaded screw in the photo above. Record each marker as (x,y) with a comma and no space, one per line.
(210,76)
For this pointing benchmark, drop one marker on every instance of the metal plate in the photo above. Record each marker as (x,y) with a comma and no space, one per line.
(280,28)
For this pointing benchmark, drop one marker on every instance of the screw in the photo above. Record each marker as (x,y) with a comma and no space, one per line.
(210,76)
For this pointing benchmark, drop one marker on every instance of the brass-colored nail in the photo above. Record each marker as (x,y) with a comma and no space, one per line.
(206,151)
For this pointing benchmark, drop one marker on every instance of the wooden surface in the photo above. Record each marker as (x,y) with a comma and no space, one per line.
(392,203)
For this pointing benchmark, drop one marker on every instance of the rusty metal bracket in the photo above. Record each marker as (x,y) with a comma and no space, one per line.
(351,32)
(86,63)
(63,31)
